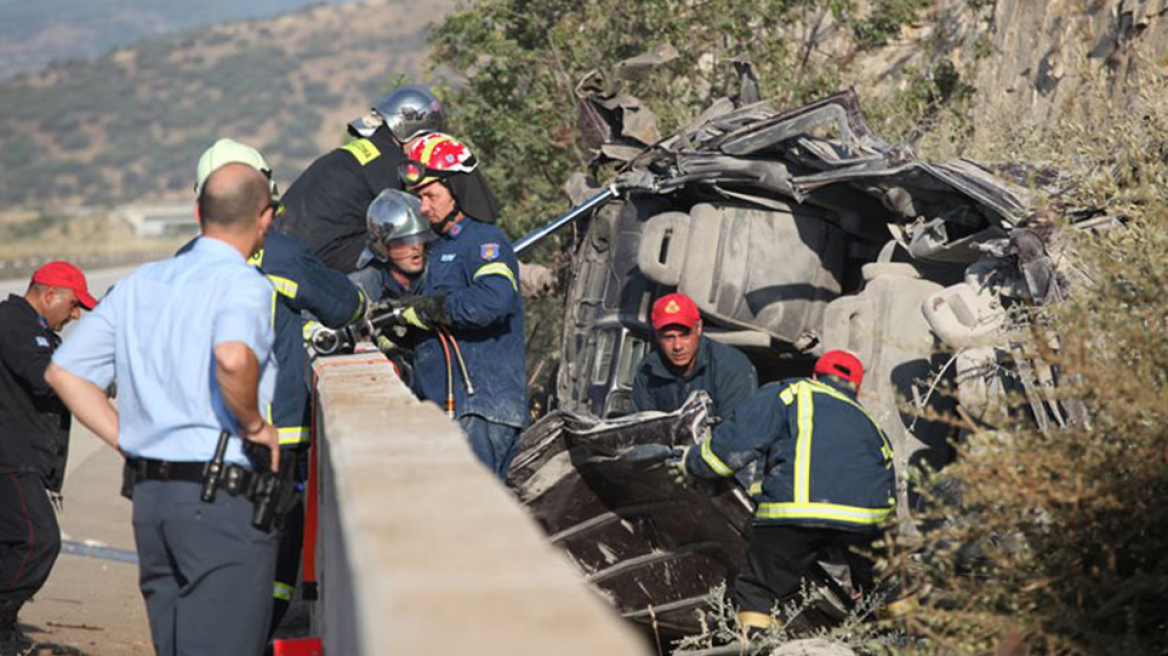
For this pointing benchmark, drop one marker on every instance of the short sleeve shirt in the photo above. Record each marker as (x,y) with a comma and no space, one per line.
(155,333)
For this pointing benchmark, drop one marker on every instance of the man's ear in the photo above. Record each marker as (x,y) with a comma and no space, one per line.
(198,214)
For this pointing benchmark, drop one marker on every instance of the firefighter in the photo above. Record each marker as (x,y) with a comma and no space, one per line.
(303,284)
(471,292)
(685,360)
(325,206)
(827,480)
(391,267)
(395,252)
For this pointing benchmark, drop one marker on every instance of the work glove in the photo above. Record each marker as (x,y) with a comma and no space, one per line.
(425,312)
(677,467)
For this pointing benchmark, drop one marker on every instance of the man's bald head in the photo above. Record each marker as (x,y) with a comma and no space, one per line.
(233,197)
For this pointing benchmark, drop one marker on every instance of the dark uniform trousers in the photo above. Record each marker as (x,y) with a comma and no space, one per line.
(205,571)
(778,558)
(29,537)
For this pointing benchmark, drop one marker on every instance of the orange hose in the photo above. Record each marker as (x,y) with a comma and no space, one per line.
(449,374)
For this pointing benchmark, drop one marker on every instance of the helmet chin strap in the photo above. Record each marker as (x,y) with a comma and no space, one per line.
(440,227)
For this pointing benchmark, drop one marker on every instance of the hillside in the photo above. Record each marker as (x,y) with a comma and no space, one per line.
(33,34)
(130,124)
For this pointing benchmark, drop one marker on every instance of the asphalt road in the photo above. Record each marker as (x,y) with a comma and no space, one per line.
(91,604)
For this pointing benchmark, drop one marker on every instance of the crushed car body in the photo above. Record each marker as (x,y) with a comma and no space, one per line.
(795,232)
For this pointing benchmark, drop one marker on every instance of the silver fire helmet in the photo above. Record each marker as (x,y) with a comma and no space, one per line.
(410,111)
(394,216)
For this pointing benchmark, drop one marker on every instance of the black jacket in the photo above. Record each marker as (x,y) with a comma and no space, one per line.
(34,422)
(325,207)
(722,371)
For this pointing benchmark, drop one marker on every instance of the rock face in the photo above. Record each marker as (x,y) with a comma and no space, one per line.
(1043,52)
(1028,59)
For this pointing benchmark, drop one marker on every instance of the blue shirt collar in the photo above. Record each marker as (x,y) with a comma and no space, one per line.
(216,248)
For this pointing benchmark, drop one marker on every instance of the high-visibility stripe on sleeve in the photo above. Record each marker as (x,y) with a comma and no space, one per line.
(294,434)
(803,444)
(283,591)
(714,461)
(285,286)
(497,269)
(827,511)
(362,302)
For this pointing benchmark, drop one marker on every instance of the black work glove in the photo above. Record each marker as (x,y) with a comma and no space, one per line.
(425,311)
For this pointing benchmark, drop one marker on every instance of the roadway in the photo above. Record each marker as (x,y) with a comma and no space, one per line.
(91,604)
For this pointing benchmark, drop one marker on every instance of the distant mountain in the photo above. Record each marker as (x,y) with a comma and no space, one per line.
(34,33)
(130,124)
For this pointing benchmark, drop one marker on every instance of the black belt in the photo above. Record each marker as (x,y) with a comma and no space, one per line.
(235,479)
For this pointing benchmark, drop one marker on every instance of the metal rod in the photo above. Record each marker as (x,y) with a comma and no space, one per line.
(539,234)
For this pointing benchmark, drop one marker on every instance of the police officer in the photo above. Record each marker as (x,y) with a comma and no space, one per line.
(471,291)
(303,284)
(34,436)
(686,360)
(827,480)
(325,207)
(190,341)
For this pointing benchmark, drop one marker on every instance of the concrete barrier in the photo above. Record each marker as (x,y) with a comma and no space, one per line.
(421,550)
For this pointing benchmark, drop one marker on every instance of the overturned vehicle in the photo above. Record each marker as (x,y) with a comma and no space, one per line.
(795,232)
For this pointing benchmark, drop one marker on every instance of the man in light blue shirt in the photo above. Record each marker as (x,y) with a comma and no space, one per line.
(189,341)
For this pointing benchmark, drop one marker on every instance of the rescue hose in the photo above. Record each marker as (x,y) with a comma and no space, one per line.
(461,362)
(449,375)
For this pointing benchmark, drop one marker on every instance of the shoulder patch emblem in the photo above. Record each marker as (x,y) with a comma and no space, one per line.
(42,342)
(447,257)
(489,251)
(363,150)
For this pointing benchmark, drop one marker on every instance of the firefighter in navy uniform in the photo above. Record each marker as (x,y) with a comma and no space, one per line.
(392,267)
(826,480)
(303,284)
(325,207)
(472,291)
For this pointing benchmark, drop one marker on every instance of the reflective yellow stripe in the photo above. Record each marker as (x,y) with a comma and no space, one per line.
(803,444)
(832,511)
(283,591)
(363,150)
(360,311)
(497,268)
(257,260)
(272,316)
(285,286)
(714,462)
(756,488)
(294,434)
(787,396)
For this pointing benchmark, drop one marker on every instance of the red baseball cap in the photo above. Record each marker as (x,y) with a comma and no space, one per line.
(842,364)
(63,274)
(674,310)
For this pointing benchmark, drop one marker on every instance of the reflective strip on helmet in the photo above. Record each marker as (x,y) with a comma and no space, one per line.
(830,511)
(363,150)
(497,268)
(294,435)
(285,286)
(283,591)
(714,461)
